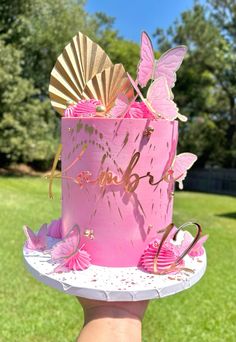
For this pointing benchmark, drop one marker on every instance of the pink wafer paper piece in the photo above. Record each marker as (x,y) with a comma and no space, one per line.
(121,106)
(197,249)
(54,229)
(159,99)
(69,255)
(180,165)
(166,65)
(36,241)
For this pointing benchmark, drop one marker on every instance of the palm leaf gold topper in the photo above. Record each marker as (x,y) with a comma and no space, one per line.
(107,85)
(79,62)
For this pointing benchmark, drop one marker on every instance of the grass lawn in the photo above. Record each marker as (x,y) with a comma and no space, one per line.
(33,312)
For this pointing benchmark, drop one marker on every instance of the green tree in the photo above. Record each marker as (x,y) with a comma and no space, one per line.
(33,34)
(206,88)
(26,130)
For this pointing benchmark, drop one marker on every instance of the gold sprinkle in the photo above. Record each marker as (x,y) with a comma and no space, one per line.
(149,228)
(120,213)
(89,233)
(79,126)
(148,131)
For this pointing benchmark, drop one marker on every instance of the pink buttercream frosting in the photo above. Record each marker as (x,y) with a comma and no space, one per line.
(165,260)
(84,108)
(139,110)
(170,251)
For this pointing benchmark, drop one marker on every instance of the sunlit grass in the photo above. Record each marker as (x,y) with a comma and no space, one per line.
(31,311)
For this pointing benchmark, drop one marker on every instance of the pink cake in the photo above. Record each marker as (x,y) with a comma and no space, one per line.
(123,222)
(119,163)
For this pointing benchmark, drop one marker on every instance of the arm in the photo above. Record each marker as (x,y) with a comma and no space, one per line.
(112,321)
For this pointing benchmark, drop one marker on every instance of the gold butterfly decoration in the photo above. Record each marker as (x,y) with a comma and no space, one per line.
(84,71)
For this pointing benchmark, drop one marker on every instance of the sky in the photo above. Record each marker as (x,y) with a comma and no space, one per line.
(133,17)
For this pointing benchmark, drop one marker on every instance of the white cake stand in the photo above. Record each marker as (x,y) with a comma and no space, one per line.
(114,284)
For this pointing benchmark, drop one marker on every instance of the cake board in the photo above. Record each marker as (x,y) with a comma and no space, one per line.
(114,283)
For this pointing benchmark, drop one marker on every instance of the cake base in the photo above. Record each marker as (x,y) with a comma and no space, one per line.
(114,283)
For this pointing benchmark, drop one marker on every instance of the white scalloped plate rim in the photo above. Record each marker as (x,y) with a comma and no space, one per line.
(114,283)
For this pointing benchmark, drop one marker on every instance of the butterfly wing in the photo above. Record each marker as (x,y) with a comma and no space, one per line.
(169,63)
(36,241)
(182,163)
(182,117)
(31,238)
(42,233)
(67,246)
(147,60)
(159,99)
(197,249)
(121,106)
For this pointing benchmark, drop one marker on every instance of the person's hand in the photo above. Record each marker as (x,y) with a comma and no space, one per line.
(116,321)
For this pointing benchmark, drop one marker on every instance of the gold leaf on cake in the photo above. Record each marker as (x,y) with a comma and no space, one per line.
(79,62)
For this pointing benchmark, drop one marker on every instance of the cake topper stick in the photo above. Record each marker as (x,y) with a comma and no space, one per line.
(57,156)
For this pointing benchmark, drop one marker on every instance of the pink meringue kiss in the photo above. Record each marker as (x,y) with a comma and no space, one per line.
(166,259)
(54,229)
(84,108)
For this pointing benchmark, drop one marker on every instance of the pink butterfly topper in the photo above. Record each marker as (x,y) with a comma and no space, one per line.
(121,106)
(159,100)
(36,241)
(197,249)
(178,170)
(166,65)
(68,254)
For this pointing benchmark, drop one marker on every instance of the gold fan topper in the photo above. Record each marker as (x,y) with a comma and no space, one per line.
(84,71)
